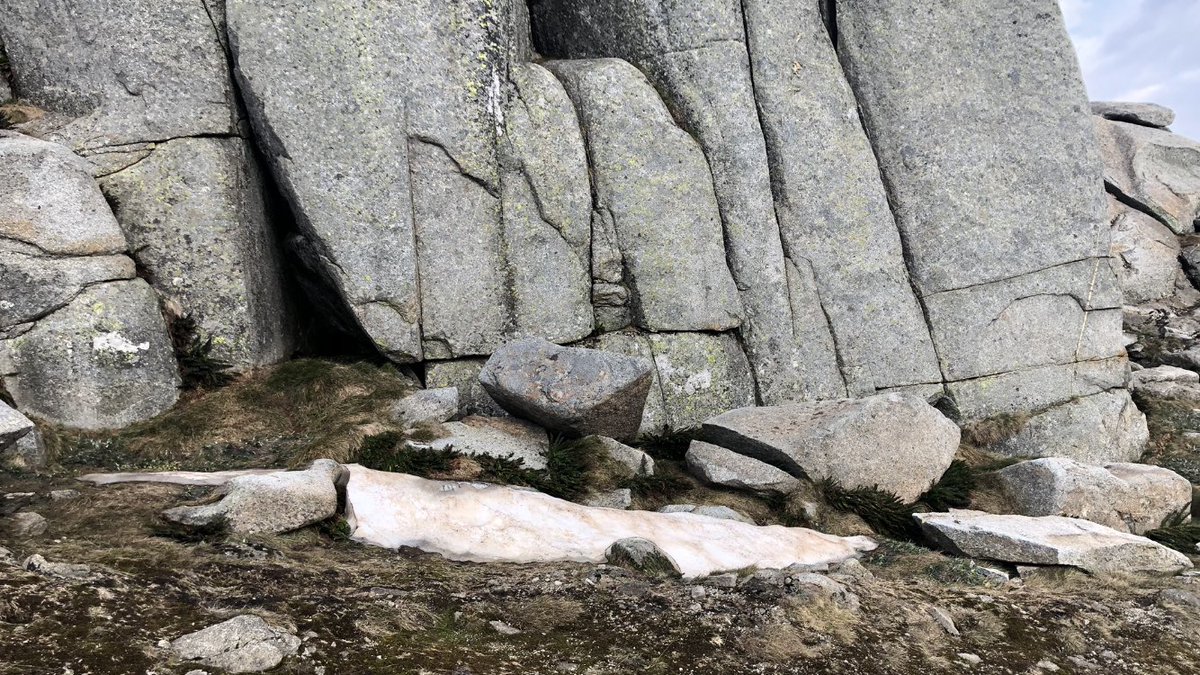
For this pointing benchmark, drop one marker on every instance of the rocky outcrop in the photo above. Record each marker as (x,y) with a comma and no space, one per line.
(269,503)
(1147,255)
(82,341)
(1154,169)
(151,104)
(1049,540)
(896,442)
(1132,498)
(575,390)
(1099,429)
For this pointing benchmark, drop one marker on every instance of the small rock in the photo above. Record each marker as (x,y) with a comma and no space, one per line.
(273,503)
(27,524)
(854,569)
(63,495)
(642,555)
(38,564)
(635,460)
(724,580)
(698,592)
(428,405)
(818,586)
(1048,665)
(1080,662)
(993,575)
(583,391)
(722,512)
(720,466)
(5,555)
(13,426)
(972,659)
(243,644)
(503,628)
(943,619)
(613,499)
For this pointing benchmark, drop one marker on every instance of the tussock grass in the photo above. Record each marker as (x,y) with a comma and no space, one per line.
(284,416)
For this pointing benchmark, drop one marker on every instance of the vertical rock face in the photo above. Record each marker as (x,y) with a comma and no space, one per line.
(654,189)
(151,104)
(1155,169)
(978,116)
(193,211)
(82,341)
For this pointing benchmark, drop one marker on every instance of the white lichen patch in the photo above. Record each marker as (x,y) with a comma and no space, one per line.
(115,344)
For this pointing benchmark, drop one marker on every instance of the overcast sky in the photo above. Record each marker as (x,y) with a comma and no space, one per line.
(1141,50)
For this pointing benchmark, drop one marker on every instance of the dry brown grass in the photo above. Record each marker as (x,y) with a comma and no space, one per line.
(282,416)
(806,629)
(546,613)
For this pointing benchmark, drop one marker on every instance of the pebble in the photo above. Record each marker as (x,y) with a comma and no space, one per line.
(1048,665)
(503,628)
(943,619)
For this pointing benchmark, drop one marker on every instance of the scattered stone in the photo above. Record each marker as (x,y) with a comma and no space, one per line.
(1048,665)
(63,495)
(631,458)
(1048,540)
(243,644)
(1174,597)
(642,555)
(818,586)
(720,466)
(38,564)
(27,454)
(503,628)
(725,580)
(613,499)
(13,426)
(497,437)
(1166,382)
(722,512)
(971,659)
(896,442)
(272,503)
(993,575)
(1145,114)
(854,569)
(1128,497)
(943,619)
(428,405)
(583,391)
(395,510)
(27,524)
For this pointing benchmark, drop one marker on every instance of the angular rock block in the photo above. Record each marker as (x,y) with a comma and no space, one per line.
(1147,256)
(1132,498)
(193,210)
(1144,114)
(638,462)
(636,345)
(654,194)
(463,375)
(13,426)
(1049,540)
(428,405)
(269,503)
(642,555)
(721,466)
(581,391)
(1099,429)
(491,523)
(1156,169)
(243,644)
(896,442)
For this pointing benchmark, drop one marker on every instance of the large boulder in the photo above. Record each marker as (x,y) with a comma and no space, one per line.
(1048,540)
(581,391)
(1145,114)
(269,503)
(896,442)
(1099,429)
(720,466)
(1128,497)
(1155,169)
(979,118)
(661,235)
(493,523)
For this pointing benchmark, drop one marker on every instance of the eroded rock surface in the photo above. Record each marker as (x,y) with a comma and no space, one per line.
(243,644)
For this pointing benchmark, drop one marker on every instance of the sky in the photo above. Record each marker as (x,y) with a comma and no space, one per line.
(1141,50)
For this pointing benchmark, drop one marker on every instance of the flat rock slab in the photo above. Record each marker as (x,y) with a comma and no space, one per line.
(489,523)
(584,391)
(896,442)
(243,644)
(497,437)
(1145,114)
(1048,540)
(1127,497)
(272,503)
(721,466)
